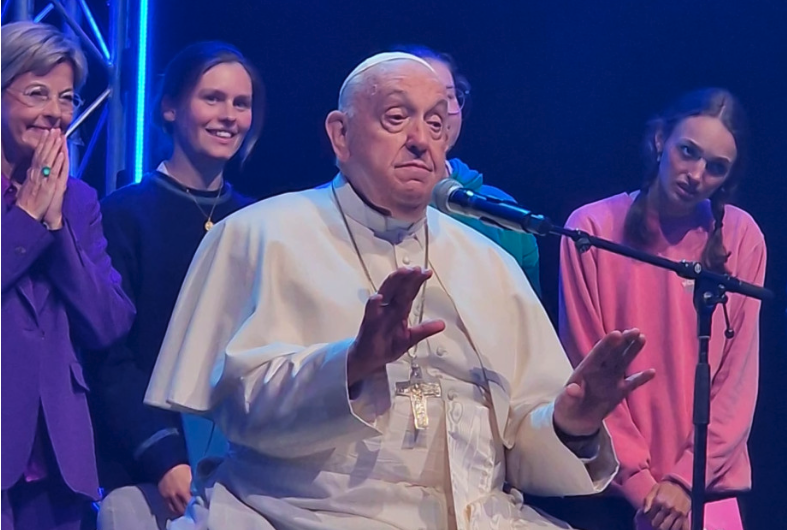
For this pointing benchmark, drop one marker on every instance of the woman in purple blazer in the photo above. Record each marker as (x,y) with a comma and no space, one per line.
(60,293)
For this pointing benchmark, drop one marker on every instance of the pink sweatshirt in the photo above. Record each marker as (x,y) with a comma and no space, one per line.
(600,292)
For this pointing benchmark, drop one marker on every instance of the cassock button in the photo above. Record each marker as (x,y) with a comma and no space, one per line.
(455,412)
(440,351)
(406,259)
(451,395)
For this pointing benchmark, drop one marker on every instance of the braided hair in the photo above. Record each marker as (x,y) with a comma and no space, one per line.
(714,102)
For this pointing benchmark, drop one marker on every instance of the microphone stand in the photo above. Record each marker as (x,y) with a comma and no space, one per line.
(710,289)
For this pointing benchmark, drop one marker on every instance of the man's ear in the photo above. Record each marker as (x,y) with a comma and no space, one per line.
(336,127)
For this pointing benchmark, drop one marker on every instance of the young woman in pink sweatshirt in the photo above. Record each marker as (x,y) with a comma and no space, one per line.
(694,153)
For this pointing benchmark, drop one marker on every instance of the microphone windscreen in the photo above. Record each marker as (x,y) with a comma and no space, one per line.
(442,192)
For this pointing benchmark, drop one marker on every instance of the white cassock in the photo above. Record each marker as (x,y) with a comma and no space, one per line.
(258,342)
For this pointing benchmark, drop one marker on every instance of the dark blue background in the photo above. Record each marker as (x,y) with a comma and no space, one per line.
(561,91)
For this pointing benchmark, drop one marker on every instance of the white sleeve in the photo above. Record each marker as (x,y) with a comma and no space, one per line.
(537,461)
(278,398)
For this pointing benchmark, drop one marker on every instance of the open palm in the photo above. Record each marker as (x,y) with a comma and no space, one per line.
(385,333)
(600,383)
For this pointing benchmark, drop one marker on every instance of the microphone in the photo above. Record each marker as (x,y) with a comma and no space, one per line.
(450,197)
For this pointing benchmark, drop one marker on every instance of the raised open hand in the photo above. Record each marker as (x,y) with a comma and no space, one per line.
(599,383)
(385,333)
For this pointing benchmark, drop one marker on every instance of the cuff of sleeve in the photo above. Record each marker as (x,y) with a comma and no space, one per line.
(682,473)
(326,415)
(538,452)
(66,255)
(370,398)
(66,245)
(586,448)
(28,234)
(587,452)
(637,487)
(162,456)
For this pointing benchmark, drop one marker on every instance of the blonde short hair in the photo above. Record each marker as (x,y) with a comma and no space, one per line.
(35,47)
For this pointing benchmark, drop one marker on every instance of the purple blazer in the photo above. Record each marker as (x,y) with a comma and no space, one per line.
(60,294)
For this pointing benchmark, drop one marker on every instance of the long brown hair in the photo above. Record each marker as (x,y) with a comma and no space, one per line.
(714,102)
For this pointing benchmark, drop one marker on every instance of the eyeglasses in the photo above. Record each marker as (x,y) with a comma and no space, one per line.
(457,98)
(39,97)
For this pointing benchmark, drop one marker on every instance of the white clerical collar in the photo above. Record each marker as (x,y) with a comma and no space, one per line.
(383,226)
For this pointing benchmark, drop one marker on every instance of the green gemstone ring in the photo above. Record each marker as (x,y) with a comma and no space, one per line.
(46,170)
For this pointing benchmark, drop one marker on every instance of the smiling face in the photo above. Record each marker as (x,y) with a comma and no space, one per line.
(392,146)
(32,104)
(696,160)
(212,121)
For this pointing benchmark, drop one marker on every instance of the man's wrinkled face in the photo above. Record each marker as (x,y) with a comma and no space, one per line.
(396,137)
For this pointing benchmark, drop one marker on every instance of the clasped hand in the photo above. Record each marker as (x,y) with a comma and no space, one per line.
(40,195)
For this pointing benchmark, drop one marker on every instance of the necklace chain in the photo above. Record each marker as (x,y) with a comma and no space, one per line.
(412,352)
(208,216)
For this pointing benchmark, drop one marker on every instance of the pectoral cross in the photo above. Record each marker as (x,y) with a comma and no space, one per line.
(418,391)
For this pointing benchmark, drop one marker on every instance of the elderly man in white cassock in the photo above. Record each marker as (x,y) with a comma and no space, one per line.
(375,364)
